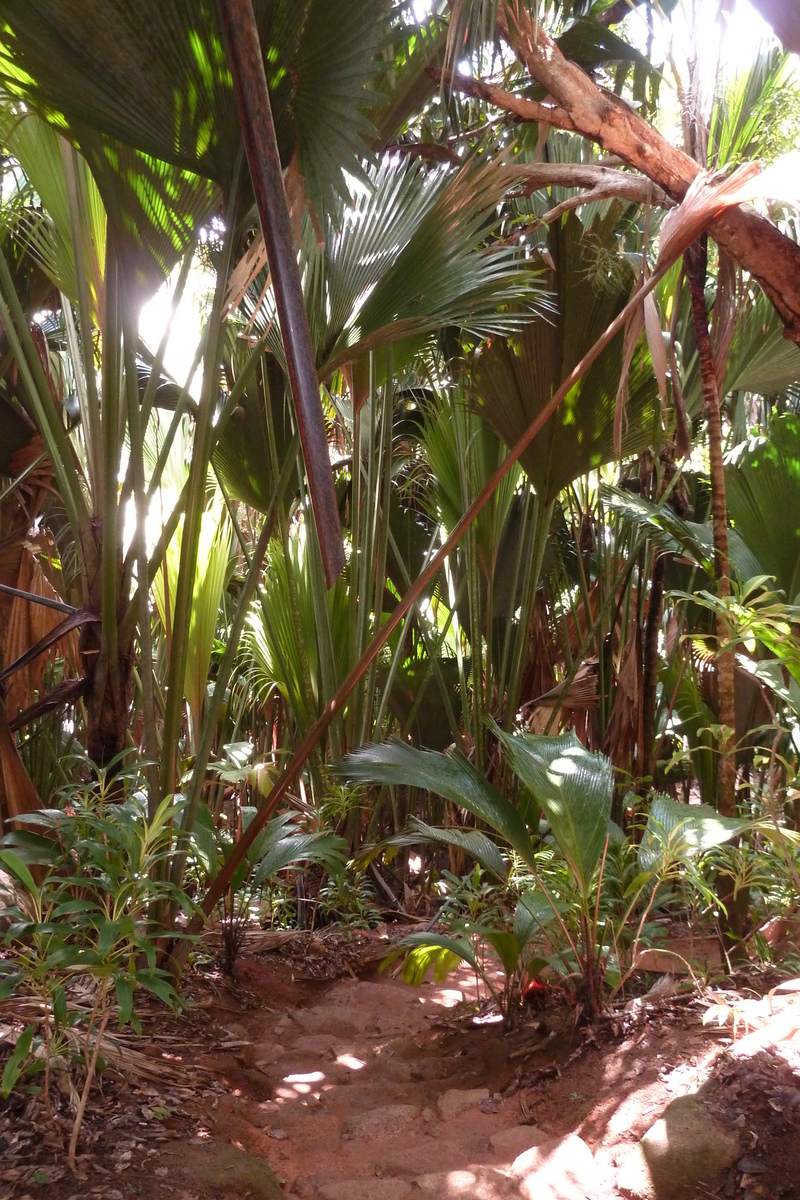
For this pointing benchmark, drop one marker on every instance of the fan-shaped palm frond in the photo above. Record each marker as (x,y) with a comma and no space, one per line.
(144,89)
(745,117)
(46,229)
(447,775)
(404,259)
(514,378)
(676,831)
(271,653)
(574,787)
(760,358)
(678,536)
(763,491)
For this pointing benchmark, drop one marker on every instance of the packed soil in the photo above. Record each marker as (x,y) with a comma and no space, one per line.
(312,1075)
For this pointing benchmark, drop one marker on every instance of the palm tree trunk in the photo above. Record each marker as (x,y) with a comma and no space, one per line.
(650,667)
(695,262)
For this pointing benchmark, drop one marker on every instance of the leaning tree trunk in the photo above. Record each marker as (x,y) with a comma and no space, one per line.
(695,261)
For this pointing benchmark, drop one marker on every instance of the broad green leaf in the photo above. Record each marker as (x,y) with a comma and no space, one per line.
(574,788)
(532,914)
(107,938)
(448,775)
(124,992)
(435,950)
(763,493)
(158,984)
(676,831)
(476,844)
(16,1060)
(326,848)
(507,948)
(59,1005)
(10,982)
(14,864)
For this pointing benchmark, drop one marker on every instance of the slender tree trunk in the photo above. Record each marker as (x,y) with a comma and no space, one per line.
(109,676)
(695,261)
(650,667)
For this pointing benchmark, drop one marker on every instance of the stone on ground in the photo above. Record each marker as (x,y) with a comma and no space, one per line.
(456,1101)
(379,1122)
(685,1146)
(268,1052)
(218,1169)
(558,1169)
(516,1140)
(315,1043)
(477,1183)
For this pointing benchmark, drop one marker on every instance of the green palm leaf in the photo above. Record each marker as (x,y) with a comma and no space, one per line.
(47,231)
(144,90)
(574,788)
(763,492)
(476,844)
(447,775)
(514,378)
(404,259)
(678,536)
(282,845)
(680,831)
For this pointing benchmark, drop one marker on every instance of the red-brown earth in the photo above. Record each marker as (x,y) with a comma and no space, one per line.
(363,1088)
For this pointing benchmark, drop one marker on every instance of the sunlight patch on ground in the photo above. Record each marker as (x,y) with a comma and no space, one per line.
(350,1060)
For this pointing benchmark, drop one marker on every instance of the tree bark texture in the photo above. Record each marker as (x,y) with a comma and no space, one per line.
(575,102)
(258,129)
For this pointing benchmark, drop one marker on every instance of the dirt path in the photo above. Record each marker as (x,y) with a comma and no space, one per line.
(372,1090)
(367,1089)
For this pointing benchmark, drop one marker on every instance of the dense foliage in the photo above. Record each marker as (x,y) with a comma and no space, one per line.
(557,683)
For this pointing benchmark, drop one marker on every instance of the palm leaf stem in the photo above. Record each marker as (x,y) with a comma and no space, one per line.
(304,674)
(151,387)
(592,633)
(453,598)
(542,516)
(91,414)
(354,650)
(45,414)
(322,614)
(423,580)
(181,406)
(107,671)
(472,564)
(195,502)
(23,475)
(214,706)
(366,555)
(522,548)
(146,674)
(383,483)
(431,650)
(131,614)
(433,672)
